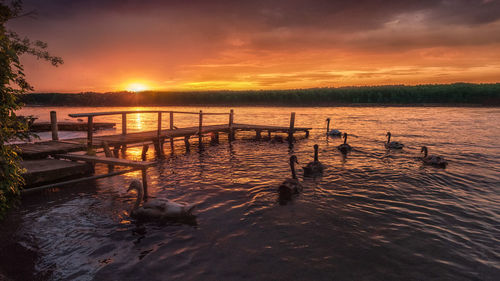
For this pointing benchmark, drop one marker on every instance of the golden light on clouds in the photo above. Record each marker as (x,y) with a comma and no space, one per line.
(214,45)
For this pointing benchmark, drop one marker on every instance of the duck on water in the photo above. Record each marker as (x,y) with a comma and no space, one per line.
(392,144)
(345,147)
(314,168)
(291,185)
(433,160)
(156,209)
(333,132)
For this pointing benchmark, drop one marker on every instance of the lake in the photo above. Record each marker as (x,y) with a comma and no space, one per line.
(374,215)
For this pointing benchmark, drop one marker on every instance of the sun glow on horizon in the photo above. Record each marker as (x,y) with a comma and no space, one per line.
(137,87)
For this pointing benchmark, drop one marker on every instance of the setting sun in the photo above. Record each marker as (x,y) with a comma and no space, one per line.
(137,87)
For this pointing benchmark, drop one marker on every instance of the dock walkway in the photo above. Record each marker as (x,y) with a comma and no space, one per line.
(40,150)
(36,153)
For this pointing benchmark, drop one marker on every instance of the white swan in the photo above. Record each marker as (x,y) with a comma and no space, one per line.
(333,132)
(291,185)
(432,159)
(314,168)
(345,147)
(156,209)
(393,144)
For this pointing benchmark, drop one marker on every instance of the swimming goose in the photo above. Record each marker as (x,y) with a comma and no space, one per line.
(333,132)
(157,209)
(344,148)
(393,144)
(432,159)
(315,167)
(291,185)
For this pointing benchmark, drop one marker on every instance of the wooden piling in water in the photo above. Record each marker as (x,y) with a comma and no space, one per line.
(158,150)
(108,153)
(124,130)
(186,142)
(124,123)
(231,129)
(159,125)
(292,127)
(145,183)
(171,120)
(53,125)
(215,137)
(145,148)
(200,129)
(90,131)
(116,151)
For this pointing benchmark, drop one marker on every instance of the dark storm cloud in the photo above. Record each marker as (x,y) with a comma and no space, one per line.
(290,24)
(331,14)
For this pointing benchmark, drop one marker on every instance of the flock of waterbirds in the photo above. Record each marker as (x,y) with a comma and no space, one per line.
(156,209)
(292,185)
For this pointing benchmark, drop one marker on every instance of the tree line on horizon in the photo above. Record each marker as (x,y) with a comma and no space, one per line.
(458,93)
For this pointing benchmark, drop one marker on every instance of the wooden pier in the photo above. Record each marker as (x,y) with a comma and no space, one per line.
(69,126)
(61,149)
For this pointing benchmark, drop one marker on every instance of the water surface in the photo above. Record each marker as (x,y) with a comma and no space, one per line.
(374,215)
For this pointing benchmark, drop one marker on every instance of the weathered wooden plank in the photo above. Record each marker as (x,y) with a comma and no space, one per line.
(78,180)
(69,126)
(41,150)
(74,115)
(51,170)
(107,160)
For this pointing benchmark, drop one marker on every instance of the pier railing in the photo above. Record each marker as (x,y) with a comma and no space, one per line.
(90,120)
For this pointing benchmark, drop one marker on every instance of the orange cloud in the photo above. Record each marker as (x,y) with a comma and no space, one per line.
(176,45)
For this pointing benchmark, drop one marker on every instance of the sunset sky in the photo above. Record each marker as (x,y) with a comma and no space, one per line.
(198,45)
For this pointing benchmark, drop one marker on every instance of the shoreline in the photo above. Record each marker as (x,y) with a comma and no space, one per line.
(284,105)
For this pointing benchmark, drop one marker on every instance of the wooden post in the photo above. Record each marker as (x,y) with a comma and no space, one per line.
(162,141)
(124,130)
(145,182)
(53,125)
(215,137)
(145,148)
(171,119)
(108,153)
(159,125)
(292,125)
(200,129)
(257,134)
(116,151)
(186,142)
(90,131)
(124,123)
(231,130)
(159,147)
(158,150)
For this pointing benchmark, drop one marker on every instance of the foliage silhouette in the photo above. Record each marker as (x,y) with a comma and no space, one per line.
(458,93)
(12,86)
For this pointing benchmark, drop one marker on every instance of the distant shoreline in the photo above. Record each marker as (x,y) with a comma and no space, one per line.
(448,95)
(296,106)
